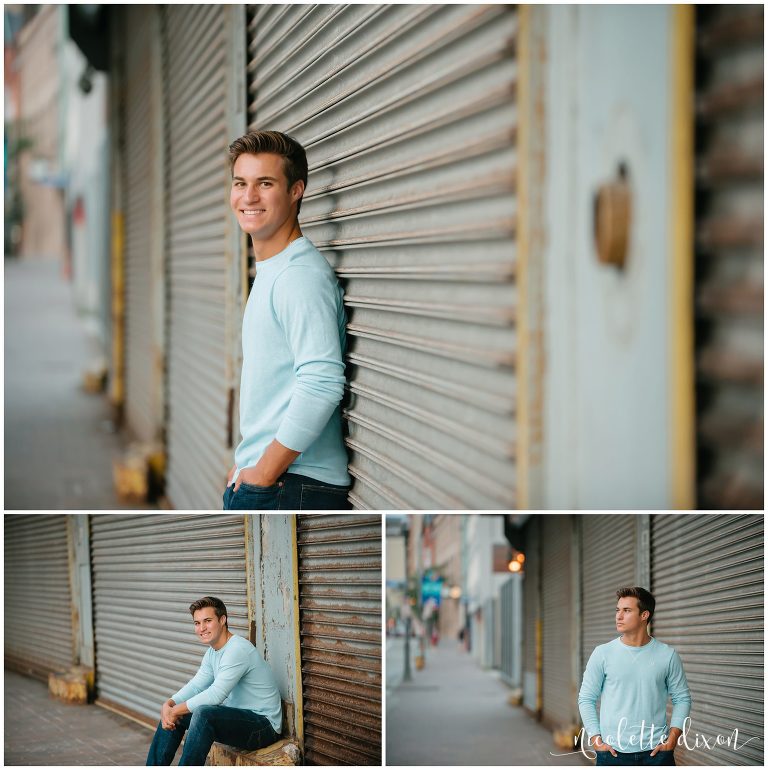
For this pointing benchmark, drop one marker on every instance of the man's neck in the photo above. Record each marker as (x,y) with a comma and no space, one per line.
(227,637)
(637,639)
(267,249)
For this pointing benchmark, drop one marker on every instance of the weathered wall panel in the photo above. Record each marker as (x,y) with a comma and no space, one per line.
(340,613)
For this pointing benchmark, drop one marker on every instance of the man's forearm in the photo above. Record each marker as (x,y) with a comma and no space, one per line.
(271,465)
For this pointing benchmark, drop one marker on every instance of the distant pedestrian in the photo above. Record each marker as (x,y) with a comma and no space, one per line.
(633,676)
(292,453)
(233,697)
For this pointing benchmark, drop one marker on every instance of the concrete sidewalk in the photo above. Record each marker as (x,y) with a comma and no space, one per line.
(59,440)
(454,713)
(40,730)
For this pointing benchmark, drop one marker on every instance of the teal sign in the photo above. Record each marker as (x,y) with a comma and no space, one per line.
(431,589)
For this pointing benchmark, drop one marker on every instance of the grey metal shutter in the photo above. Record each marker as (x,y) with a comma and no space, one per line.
(511,630)
(729,255)
(532,614)
(142,369)
(707,578)
(608,562)
(340,617)
(408,117)
(558,698)
(38,600)
(147,570)
(200,398)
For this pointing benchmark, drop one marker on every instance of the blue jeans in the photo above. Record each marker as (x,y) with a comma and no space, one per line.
(291,492)
(635,758)
(235,727)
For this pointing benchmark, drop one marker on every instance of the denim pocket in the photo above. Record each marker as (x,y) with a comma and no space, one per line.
(256,488)
(320,497)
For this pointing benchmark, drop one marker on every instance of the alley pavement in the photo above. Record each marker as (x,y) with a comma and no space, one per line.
(453,712)
(59,440)
(41,730)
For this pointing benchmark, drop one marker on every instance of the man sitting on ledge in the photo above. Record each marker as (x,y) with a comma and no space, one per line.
(233,697)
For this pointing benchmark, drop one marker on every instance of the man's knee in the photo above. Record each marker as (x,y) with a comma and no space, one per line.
(203,713)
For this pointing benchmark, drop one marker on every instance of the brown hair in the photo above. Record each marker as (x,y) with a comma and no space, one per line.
(293,154)
(210,601)
(645,600)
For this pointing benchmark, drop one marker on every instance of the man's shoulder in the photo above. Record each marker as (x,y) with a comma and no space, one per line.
(239,646)
(605,649)
(662,648)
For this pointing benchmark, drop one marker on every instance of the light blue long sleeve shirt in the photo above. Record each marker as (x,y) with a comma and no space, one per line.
(633,684)
(237,676)
(293,368)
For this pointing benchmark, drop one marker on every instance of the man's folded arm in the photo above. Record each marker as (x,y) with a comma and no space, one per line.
(591,687)
(305,305)
(229,674)
(202,679)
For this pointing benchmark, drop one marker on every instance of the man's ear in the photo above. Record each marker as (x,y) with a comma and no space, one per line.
(297,190)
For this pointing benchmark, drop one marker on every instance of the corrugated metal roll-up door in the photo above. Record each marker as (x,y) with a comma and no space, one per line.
(608,562)
(558,699)
(729,255)
(147,570)
(408,117)
(707,578)
(340,617)
(38,600)
(200,396)
(141,366)
(532,616)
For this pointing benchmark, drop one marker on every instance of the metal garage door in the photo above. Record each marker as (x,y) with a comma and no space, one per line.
(558,696)
(142,205)
(147,570)
(201,297)
(729,255)
(707,578)
(340,616)
(608,562)
(408,116)
(37,594)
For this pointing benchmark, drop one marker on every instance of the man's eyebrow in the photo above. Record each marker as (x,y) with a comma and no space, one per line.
(260,179)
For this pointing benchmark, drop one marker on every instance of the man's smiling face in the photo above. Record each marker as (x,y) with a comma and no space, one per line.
(260,197)
(210,629)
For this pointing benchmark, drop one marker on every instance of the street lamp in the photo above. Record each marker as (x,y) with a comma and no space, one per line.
(407,670)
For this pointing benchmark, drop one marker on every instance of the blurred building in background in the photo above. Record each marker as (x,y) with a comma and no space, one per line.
(540,592)
(112,592)
(547,222)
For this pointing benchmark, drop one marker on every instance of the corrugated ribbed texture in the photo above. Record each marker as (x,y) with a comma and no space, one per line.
(408,117)
(608,562)
(199,451)
(141,388)
(707,578)
(558,699)
(729,255)
(147,570)
(38,602)
(340,616)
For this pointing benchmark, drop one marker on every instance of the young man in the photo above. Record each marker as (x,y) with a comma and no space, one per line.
(292,453)
(233,697)
(633,676)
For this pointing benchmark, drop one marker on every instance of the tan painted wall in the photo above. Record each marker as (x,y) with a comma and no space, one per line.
(43,231)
